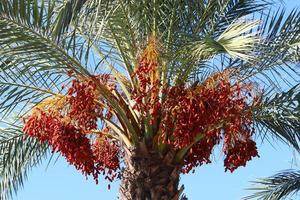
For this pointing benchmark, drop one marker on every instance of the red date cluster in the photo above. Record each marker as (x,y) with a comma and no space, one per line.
(146,95)
(198,117)
(84,110)
(63,138)
(239,154)
(202,115)
(75,146)
(201,151)
(65,129)
(107,154)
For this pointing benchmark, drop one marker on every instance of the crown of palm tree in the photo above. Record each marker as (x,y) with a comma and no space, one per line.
(132,56)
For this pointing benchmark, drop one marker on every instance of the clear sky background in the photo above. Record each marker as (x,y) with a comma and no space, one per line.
(209,182)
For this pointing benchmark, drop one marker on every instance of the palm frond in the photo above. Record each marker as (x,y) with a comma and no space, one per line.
(276,187)
(232,10)
(26,46)
(277,53)
(33,65)
(67,14)
(18,155)
(32,13)
(19,93)
(280,115)
(236,40)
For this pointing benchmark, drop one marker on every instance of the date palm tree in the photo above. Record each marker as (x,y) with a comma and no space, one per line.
(156,84)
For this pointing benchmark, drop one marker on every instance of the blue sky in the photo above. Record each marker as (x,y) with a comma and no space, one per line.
(62,182)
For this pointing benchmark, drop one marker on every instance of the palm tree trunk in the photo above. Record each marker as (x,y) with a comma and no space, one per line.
(149,176)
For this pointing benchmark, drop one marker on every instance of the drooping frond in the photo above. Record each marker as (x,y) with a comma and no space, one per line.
(18,155)
(67,14)
(31,49)
(277,53)
(276,187)
(32,63)
(280,117)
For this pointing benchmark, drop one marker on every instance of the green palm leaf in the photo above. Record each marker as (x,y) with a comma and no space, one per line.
(18,155)
(280,115)
(276,187)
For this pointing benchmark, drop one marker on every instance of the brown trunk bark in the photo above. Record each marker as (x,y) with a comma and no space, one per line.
(150,176)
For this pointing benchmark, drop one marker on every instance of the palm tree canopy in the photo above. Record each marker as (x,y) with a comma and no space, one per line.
(46,45)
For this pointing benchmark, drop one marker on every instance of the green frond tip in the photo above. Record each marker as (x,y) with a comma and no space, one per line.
(239,38)
(17,156)
(279,186)
(280,115)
